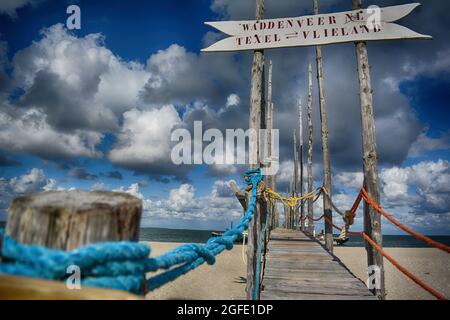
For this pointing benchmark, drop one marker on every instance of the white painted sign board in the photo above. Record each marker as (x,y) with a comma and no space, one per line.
(369,24)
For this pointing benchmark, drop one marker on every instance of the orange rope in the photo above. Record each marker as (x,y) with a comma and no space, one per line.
(403,270)
(419,236)
(395,263)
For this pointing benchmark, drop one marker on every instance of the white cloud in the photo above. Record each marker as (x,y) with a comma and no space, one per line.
(349,179)
(78,82)
(133,190)
(30,133)
(98,186)
(425,144)
(425,186)
(30,182)
(233,100)
(145,139)
(395,183)
(182,198)
(182,203)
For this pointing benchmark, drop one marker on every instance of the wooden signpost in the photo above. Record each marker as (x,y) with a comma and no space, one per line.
(358,25)
(321,29)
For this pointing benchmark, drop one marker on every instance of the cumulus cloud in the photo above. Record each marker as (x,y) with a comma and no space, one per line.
(33,181)
(77,82)
(182,77)
(349,179)
(425,144)
(233,100)
(29,132)
(144,142)
(74,90)
(183,203)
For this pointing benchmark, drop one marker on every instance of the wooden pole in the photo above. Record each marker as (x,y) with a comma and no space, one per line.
(372,220)
(301,223)
(274,177)
(269,125)
(239,195)
(325,148)
(256,122)
(68,220)
(310,152)
(295,213)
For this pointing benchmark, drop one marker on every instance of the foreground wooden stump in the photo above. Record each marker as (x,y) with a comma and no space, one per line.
(70,219)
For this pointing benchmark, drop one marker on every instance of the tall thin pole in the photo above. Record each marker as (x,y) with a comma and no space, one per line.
(301,222)
(295,213)
(269,125)
(256,122)
(325,148)
(310,152)
(372,220)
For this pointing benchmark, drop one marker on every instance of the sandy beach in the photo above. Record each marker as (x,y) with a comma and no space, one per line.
(226,279)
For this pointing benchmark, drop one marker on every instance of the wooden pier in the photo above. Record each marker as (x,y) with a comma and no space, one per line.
(299,268)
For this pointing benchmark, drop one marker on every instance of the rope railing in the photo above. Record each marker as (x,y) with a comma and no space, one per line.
(364,195)
(415,234)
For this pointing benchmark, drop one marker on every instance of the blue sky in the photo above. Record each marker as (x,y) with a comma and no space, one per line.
(71,103)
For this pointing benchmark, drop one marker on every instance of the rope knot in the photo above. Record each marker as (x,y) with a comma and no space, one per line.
(225,240)
(203,253)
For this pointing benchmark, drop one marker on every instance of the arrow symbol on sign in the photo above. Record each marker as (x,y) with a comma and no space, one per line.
(292,35)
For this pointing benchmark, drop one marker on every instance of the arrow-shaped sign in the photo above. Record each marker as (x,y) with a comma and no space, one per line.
(369,24)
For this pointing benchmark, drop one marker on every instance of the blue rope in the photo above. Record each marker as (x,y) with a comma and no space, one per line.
(214,246)
(123,265)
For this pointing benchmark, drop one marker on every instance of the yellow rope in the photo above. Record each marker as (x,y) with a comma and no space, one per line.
(292,201)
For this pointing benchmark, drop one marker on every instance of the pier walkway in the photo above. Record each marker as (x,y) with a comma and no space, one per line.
(299,268)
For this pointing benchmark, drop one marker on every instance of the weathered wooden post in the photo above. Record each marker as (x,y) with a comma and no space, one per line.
(295,215)
(310,153)
(256,122)
(269,127)
(240,196)
(69,219)
(325,148)
(372,220)
(301,221)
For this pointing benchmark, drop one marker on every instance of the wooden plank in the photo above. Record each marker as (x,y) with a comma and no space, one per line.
(298,267)
(303,265)
(281,295)
(286,286)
